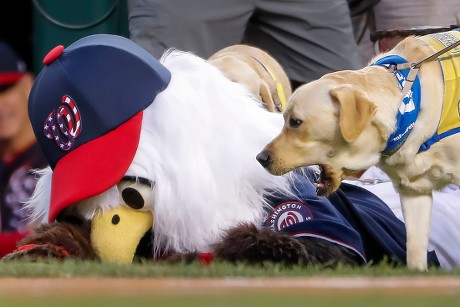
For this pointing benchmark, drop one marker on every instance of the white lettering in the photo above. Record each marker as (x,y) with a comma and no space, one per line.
(399,136)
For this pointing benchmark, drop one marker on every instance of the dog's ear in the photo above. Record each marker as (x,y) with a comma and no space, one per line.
(356,111)
(266,96)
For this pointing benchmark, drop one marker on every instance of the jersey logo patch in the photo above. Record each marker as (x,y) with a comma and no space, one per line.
(287,214)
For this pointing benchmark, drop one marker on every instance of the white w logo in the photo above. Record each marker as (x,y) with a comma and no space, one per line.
(407,104)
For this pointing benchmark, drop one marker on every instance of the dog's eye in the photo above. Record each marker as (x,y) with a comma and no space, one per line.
(294,122)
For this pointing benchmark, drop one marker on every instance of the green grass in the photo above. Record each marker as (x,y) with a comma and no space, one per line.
(71,268)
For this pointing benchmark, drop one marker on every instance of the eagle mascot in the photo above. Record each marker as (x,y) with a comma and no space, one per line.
(157,159)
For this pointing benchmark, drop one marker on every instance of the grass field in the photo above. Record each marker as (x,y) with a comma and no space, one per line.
(72,283)
(72,268)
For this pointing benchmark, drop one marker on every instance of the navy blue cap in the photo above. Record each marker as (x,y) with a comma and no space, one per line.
(86,109)
(12,67)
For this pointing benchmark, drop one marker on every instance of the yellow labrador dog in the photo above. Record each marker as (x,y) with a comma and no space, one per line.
(401,113)
(258,71)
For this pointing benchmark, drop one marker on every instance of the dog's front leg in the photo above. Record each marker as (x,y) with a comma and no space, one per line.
(417,217)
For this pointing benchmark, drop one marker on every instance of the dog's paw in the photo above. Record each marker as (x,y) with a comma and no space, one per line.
(246,243)
(329,180)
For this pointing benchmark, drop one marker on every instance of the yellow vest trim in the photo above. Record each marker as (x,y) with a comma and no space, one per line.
(450,65)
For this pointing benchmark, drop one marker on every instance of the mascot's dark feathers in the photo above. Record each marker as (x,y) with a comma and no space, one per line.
(243,243)
(57,240)
(254,246)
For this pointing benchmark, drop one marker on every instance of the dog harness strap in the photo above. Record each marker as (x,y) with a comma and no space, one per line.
(413,72)
(442,43)
(411,76)
(409,84)
(445,45)
(279,88)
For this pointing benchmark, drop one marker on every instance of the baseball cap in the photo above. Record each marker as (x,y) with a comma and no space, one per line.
(12,67)
(86,108)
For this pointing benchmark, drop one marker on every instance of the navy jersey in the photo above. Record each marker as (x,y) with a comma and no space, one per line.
(17,184)
(352,217)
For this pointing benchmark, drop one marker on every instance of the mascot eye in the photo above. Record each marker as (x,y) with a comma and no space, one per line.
(294,122)
(133,198)
(137,193)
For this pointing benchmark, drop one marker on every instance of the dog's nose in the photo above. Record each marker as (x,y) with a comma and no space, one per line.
(264,158)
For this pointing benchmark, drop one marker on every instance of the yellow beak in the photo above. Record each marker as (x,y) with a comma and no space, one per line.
(115,234)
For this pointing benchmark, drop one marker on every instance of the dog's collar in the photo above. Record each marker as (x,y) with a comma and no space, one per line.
(409,84)
(279,88)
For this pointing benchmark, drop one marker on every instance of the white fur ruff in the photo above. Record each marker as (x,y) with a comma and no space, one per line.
(198,143)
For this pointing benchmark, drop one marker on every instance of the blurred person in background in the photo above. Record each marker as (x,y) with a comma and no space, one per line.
(19,151)
(380,24)
(307,37)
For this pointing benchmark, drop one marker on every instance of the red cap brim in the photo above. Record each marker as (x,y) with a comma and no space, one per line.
(95,166)
(10,78)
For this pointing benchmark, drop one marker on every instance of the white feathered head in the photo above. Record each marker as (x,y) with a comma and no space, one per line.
(193,167)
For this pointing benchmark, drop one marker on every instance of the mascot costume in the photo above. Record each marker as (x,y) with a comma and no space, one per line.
(156,159)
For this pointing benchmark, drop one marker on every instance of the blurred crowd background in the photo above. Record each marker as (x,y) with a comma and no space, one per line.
(33,27)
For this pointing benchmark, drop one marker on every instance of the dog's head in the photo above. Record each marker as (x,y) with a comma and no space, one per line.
(258,71)
(328,122)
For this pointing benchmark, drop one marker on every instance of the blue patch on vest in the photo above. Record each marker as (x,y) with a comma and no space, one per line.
(409,108)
